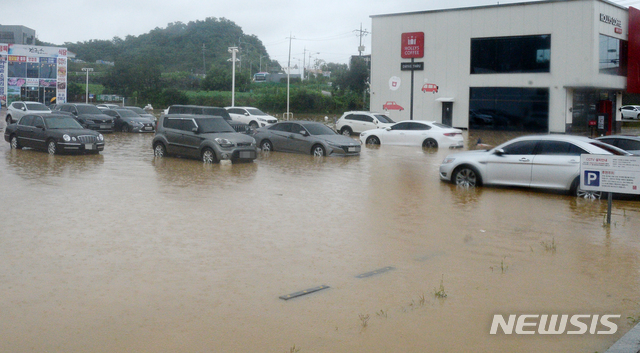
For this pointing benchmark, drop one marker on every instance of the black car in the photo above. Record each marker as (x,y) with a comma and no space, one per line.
(211,111)
(54,133)
(88,115)
(128,121)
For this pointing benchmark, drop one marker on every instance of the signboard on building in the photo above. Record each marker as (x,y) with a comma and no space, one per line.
(412,45)
(412,66)
(608,173)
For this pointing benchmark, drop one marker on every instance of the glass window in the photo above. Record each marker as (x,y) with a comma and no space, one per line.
(365,118)
(38,122)
(296,128)
(187,125)
(520,147)
(384,119)
(26,120)
(418,126)
(629,145)
(511,54)
(47,70)
(17,69)
(350,117)
(559,148)
(509,108)
(211,125)
(33,70)
(613,56)
(171,123)
(401,126)
(318,129)
(284,127)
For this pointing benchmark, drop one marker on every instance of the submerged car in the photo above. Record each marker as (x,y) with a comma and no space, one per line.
(209,138)
(628,143)
(128,121)
(254,117)
(427,134)
(88,115)
(143,113)
(359,121)
(54,133)
(537,161)
(18,109)
(209,111)
(305,137)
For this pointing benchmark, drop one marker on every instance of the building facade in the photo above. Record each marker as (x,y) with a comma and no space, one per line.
(556,66)
(17,35)
(33,73)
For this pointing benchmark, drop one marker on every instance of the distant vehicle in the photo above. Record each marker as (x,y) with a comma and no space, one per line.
(355,122)
(427,134)
(628,143)
(54,133)
(254,117)
(430,87)
(305,137)
(260,77)
(391,105)
(88,115)
(143,113)
(536,161)
(129,121)
(211,111)
(18,109)
(209,138)
(630,111)
(478,119)
(108,106)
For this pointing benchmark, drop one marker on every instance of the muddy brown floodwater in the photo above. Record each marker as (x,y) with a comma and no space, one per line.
(123,252)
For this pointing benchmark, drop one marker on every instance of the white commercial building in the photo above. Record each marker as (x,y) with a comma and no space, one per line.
(549,66)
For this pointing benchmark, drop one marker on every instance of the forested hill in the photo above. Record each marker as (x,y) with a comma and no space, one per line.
(178,47)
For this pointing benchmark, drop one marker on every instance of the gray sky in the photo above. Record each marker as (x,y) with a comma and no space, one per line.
(326,27)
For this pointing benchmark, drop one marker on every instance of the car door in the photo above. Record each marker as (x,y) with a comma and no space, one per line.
(24,131)
(512,166)
(279,136)
(555,164)
(418,133)
(190,140)
(397,135)
(39,133)
(173,135)
(366,123)
(297,141)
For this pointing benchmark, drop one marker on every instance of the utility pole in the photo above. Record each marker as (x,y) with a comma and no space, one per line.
(233,51)
(87,70)
(361,34)
(204,67)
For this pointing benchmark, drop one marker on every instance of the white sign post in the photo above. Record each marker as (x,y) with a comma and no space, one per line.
(609,173)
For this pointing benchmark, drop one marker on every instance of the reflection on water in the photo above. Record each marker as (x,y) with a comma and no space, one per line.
(127,252)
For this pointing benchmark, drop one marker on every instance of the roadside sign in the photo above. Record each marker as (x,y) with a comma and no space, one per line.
(412,66)
(608,173)
(412,45)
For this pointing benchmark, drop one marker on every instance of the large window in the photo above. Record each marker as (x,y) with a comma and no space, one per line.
(613,56)
(509,108)
(511,54)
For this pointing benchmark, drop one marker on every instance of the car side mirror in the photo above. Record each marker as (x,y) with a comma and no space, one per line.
(24,109)
(388,128)
(194,130)
(246,114)
(375,122)
(304,133)
(498,151)
(39,126)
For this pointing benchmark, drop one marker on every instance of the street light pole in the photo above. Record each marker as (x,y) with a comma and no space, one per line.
(87,70)
(233,51)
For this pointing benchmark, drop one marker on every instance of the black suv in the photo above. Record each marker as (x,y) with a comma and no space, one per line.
(209,138)
(213,111)
(88,115)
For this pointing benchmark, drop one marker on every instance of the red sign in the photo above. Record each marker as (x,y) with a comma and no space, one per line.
(413,45)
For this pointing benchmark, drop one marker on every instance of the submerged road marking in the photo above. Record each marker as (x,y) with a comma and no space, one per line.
(303,292)
(378,271)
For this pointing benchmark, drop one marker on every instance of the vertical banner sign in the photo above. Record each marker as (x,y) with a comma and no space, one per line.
(3,79)
(412,46)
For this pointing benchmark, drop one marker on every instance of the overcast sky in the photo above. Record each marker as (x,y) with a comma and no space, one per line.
(328,27)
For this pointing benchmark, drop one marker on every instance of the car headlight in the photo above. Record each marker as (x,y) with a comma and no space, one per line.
(224,142)
(448,160)
(262,119)
(100,137)
(66,137)
(253,143)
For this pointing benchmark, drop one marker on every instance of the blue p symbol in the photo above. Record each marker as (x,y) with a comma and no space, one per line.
(591,178)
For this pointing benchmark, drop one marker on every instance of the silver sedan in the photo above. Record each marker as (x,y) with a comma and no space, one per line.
(305,137)
(541,161)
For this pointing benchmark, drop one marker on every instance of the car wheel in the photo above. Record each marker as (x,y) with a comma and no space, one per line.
(159,150)
(125,128)
(466,176)
(373,140)
(266,146)
(638,117)
(317,151)
(583,194)
(346,131)
(14,143)
(52,147)
(208,156)
(253,125)
(430,143)
(9,120)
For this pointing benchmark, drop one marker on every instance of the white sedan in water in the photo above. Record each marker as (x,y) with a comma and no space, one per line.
(415,133)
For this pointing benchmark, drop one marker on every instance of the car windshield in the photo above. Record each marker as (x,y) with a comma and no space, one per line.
(318,129)
(37,107)
(385,119)
(125,113)
(137,110)
(88,109)
(254,111)
(211,125)
(62,122)
(611,149)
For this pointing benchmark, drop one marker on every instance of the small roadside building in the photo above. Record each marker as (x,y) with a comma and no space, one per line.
(556,66)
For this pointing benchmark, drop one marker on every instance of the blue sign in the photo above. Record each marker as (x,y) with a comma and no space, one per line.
(592,178)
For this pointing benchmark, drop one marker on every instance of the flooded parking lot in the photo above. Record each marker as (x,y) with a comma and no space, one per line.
(126,252)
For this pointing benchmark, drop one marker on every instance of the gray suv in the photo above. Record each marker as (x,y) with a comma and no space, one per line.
(209,138)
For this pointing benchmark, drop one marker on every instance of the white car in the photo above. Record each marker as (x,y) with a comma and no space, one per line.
(415,133)
(630,111)
(253,117)
(536,161)
(18,109)
(356,122)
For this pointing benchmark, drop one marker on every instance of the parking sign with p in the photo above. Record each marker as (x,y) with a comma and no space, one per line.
(592,178)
